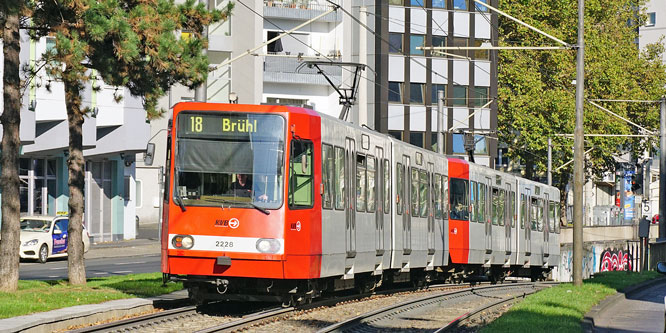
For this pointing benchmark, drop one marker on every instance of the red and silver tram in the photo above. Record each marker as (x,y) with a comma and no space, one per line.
(275,202)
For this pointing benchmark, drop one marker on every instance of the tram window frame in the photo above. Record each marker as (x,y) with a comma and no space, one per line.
(483,203)
(400,184)
(438,196)
(474,201)
(414,191)
(387,186)
(445,197)
(295,174)
(340,169)
(328,170)
(361,186)
(423,193)
(464,197)
(371,188)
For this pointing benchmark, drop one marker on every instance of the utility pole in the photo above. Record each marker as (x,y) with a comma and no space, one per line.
(579,154)
(201,91)
(440,122)
(550,161)
(662,171)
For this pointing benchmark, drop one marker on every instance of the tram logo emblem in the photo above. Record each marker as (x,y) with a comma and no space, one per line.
(296,226)
(232,223)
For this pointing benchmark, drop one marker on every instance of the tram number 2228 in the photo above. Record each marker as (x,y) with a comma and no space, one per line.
(224,244)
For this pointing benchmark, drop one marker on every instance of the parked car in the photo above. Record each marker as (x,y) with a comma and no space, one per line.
(44,237)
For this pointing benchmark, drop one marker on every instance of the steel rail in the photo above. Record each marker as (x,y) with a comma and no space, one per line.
(414,304)
(138,322)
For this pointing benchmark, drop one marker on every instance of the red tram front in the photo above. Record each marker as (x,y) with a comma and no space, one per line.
(240,205)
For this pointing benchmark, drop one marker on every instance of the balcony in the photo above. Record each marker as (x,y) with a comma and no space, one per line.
(284,70)
(299,10)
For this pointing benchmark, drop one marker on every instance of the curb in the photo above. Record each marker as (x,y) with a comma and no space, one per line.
(63,319)
(587,324)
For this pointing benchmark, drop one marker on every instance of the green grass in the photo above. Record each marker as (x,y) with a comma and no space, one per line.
(40,296)
(561,308)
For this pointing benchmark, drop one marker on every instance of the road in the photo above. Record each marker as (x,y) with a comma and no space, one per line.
(56,269)
(643,311)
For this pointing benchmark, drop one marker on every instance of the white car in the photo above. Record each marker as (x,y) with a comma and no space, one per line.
(44,237)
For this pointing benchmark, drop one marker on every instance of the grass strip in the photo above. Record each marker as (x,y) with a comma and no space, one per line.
(40,296)
(561,308)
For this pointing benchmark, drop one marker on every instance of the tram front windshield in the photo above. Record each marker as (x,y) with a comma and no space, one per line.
(229,159)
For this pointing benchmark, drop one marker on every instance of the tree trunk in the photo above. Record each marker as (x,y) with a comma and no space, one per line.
(75,164)
(11,119)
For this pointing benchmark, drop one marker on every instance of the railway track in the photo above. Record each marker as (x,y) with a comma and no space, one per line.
(228,317)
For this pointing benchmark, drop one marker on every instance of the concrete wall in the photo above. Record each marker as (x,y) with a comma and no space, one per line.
(597,257)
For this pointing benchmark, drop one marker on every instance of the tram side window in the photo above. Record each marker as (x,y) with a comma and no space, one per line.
(540,215)
(371,183)
(423,193)
(533,214)
(481,214)
(459,199)
(557,217)
(301,178)
(339,178)
(474,201)
(400,189)
(512,204)
(552,209)
(328,168)
(415,192)
(445,196)
(360,183)
(495,206)
(387,187)
(523,212)
(438,196)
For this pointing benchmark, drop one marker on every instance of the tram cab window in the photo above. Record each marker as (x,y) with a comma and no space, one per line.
(415,192)
(301,177)
(459,197)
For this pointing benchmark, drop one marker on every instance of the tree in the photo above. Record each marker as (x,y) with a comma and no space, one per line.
(536,95)
(10,14)
(125,43)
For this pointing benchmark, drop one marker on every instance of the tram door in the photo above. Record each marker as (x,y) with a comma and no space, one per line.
(508,217)
(431,209)
(407,216)
(489,224)
(546,226)
(528,224)
(350,189)
(379,195)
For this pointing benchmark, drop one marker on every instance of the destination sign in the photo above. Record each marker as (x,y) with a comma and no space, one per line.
(226,124)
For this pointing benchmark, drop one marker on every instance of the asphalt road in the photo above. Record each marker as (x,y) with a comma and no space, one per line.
(56,269)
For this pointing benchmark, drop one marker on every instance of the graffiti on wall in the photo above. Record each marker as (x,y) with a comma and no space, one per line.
(614,260)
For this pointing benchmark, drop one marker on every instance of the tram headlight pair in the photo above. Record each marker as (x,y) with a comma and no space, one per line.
(183,242)
(268,245)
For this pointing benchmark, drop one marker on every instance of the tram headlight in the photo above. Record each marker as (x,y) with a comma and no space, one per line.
(183,242)
(267,245)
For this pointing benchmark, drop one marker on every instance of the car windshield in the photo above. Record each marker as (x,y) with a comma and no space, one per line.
(230,158)
(35,225)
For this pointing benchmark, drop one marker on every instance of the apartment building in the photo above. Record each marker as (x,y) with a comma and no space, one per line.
(112,135)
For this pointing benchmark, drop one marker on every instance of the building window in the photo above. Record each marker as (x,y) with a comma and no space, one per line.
(481,54)
(414,42)
(396,134)
(434,90)
(438,3)
(481,8)
(459,96)
(439,41)
(480,145)
(416,138)
(275,46)
(418,3)
(286,101)
(480,96)
(138,191)
(458,141)
(651,19)
(460,4)
(396,2)
(50,44)
(416,93)
(395,42)
(395,92)
(460,42)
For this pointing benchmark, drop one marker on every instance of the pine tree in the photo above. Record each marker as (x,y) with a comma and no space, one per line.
(127,43)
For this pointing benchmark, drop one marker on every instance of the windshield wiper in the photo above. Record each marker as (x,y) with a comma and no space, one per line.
(261,209)
(230,202)
(180,203)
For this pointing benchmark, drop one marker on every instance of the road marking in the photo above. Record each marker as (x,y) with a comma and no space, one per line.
(57,268)
(122,272)
(53,276)
(101,273)
(131,263)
